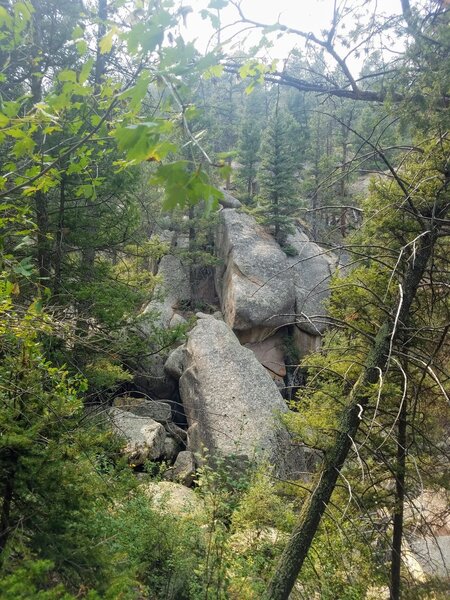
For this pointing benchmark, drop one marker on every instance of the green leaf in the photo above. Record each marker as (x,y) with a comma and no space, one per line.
(25,267)
(154,36)
(213,71)
(161,150)
(5,18)
(137,92)
(182,187)
(247,70)
(137,141)
(11,108)
(107,41)
(249,89)
(77,33)
(23,147)
(85,70)
(82,47)
(135,36)
(67,75)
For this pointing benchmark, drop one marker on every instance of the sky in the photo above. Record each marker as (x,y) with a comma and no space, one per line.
(307,15)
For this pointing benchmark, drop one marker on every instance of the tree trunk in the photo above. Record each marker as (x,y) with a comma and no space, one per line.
(100,61)
(59,237)
(40,199)
(88,251)
(396,555)
(43,243)
(7,498)
(343,181)
(303,534)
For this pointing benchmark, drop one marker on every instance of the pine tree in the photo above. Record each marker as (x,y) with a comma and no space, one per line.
(278,174)
(253,121)
(249,143)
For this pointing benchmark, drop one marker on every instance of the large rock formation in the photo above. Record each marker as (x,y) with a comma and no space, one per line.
(228,200)
(310,270)
(161,313)
(263,292)
(254,285)
(170,293)
(270,353)
(231,404)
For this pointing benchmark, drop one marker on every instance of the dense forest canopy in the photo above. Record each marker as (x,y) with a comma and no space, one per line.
(123,142)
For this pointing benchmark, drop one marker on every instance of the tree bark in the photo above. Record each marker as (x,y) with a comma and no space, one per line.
(7,498)
(88,251)
(40,199)
(397,536)
(303,534)
(59,237)
(100,61)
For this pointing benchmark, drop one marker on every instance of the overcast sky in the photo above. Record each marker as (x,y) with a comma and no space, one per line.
(307,15)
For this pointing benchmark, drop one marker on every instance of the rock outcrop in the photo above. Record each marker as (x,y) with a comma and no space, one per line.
(228,200)
(225,379)
(254,285)
(173,290)
(310,270)
(267,296)
(161,313)
(232,405)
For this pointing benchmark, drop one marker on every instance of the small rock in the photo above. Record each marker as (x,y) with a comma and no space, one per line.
(176,432)
(174,363)
(184,468)
(171,447)
(202,315)
(158,410)
(145,437)
(177,320)
(173,498)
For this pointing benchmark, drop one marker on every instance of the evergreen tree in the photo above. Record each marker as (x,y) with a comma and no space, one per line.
(248,159)
(278,175)
(253,120)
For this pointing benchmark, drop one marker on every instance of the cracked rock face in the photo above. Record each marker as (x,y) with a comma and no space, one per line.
(231,401)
